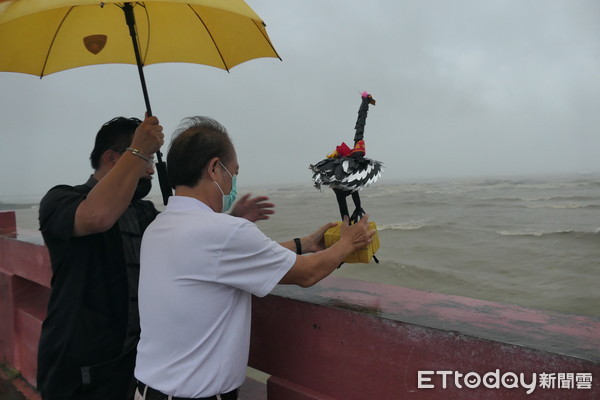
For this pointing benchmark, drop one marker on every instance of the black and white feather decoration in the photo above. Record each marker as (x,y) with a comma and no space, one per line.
(347,171)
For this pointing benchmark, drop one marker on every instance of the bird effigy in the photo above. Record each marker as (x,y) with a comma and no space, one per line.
(347,171)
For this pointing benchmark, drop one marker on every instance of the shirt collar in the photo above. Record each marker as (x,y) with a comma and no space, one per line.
(186,203)
(91,182)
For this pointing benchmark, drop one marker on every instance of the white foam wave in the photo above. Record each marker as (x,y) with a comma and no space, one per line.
(535,234)
(565,206)
(410,226)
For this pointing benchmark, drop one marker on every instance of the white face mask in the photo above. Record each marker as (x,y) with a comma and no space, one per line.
(228,199)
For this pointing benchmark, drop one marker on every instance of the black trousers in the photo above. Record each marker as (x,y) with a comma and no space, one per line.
(113,381)
(153,394)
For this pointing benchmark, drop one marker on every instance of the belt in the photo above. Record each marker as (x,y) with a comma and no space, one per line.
(153,394)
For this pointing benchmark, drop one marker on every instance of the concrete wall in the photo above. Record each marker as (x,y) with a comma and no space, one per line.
(25,275)
(345,339)
(348,340)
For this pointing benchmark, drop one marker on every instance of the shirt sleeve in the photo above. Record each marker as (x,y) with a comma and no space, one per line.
(57,212)
(252,262)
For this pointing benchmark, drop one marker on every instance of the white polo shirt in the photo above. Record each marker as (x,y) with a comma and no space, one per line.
(198,271)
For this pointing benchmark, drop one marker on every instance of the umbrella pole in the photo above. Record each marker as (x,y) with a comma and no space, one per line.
(161,167)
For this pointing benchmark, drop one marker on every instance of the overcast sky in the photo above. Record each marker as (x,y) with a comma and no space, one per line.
(463,88)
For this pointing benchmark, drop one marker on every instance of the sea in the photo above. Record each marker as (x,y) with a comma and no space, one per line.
(530,241)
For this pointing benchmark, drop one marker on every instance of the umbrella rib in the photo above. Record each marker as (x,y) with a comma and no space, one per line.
(148,35)
(266,37)
(53,40)
(211,38)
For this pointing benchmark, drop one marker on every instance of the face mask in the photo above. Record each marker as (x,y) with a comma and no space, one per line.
(143,188)
(228,199)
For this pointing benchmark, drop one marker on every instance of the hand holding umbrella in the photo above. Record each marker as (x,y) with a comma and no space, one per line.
(148,137)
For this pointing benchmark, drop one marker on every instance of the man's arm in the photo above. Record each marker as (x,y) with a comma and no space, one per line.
(310,269)
(111,196)
(312,243)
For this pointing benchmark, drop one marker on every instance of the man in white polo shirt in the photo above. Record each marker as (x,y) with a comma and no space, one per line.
(200,266)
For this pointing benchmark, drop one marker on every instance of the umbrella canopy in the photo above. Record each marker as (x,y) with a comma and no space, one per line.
(40,37)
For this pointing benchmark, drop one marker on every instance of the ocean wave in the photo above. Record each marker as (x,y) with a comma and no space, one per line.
(522,184)
(500,199)
(536,234)
(571,198)
(548,233)
(527,184)
(425,203)
(560,202)
(409,226)
(551,198)
(589,184)
(592,206)
(498,182)
(565,206)
(536,203)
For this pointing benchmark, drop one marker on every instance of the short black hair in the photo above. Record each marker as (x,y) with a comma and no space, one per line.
(196,141)
(114,135)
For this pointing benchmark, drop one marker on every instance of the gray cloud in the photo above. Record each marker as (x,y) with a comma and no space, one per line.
(463,88)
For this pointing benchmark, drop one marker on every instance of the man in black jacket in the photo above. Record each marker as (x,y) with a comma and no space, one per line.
(93,233)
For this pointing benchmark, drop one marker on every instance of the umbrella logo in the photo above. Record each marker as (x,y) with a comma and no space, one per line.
(94,43)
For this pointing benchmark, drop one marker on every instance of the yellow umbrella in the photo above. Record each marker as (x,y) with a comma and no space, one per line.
(40,37)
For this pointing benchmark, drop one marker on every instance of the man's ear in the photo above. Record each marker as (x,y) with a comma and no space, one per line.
(211,168)
(109,158)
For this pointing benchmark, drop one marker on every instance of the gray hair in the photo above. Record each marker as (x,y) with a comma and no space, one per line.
(199,122)
(196,141)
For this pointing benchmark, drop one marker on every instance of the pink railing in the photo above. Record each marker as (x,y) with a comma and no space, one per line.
(346,339)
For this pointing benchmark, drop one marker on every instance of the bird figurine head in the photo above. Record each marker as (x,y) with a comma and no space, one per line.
(368,97)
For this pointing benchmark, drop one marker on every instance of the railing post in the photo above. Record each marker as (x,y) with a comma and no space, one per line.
(8,224)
